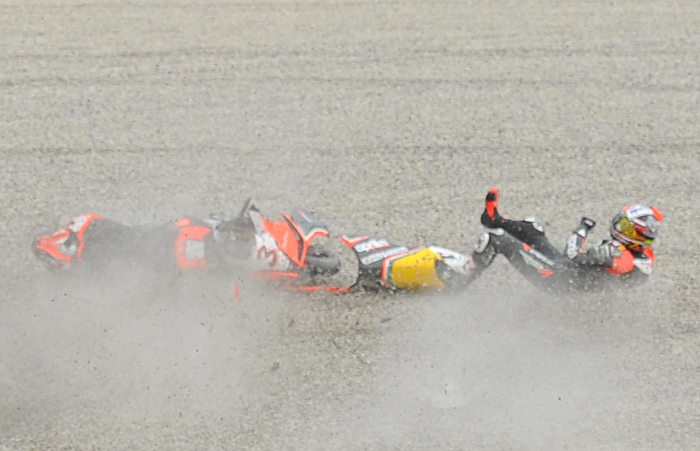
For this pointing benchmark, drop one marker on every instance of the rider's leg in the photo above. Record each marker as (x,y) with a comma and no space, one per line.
(528,230)
(531,263)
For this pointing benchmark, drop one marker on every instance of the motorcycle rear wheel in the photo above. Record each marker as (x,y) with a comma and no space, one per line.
(321,261)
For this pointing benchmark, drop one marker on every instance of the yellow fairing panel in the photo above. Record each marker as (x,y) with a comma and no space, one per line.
(414,271)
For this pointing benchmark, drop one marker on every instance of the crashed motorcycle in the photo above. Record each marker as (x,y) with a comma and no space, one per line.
(282,252)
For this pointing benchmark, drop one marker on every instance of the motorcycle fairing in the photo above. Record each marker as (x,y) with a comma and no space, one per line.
(56,246)
(196,246)
(67,244)
(190,247)
(383,264)
(413,271)
(307,224)
(293,235)
(371,253)
(267,256)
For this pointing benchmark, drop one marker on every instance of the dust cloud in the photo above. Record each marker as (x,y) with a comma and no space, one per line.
(132,346)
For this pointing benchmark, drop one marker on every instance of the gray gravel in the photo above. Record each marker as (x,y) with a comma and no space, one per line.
(391,118)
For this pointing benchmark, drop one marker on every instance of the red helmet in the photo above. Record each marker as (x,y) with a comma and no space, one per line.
(636,226)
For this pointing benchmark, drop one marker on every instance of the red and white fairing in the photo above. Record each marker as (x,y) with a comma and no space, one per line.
(66,245)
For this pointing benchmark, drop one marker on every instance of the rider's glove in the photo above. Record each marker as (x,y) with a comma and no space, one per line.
(584,227)
(574,246)
(603,255)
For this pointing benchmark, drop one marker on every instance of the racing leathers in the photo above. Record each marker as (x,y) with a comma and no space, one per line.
(527,248)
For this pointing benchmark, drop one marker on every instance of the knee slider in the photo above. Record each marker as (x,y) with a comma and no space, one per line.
(533,222)
(484,251)
(485,240)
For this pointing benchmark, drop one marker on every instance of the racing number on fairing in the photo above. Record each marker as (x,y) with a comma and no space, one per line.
(264,254)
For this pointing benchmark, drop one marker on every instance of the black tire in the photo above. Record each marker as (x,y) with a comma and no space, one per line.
(321,261)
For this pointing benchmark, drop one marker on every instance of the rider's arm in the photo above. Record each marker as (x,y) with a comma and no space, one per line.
(575,243)
(607,255)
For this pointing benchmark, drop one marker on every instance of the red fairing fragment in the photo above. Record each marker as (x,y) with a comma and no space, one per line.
(190,248)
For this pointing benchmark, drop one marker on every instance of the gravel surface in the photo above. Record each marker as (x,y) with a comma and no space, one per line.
(392,118)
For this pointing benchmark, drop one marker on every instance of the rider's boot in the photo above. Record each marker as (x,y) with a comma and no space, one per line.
(490,218)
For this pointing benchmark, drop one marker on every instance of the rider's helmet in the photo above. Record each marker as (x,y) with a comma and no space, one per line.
(637,225)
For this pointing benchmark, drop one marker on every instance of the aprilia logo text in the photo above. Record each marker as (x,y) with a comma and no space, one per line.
(370,245)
